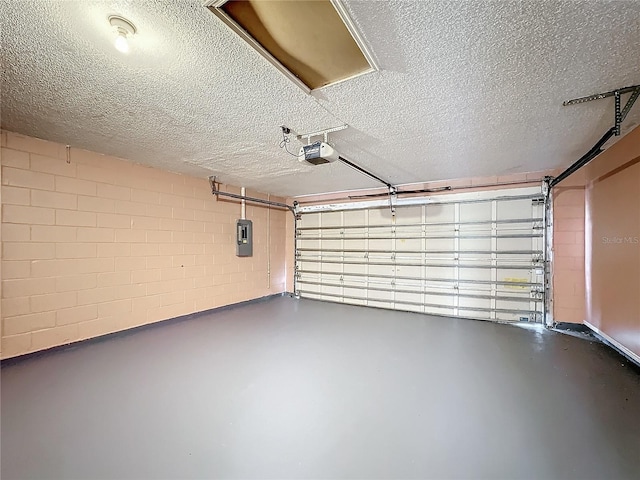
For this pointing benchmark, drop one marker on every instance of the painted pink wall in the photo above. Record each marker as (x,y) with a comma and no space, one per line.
(568,304)
(613,242)
(101,244)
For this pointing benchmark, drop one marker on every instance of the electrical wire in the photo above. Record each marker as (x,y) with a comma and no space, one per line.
(283,143)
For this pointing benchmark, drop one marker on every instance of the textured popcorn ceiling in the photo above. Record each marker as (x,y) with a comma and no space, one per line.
(466,88)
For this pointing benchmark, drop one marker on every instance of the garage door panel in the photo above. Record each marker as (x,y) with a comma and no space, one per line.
(355,290)
(538,244)
(408,215)
(479,303)
(408,244)
(380,216)
(514,209)
(415,281)
(439,300)
(472,259)
(475,274)
(331,267)
(380,295)
(440,213)
(328,289)
(475,244)
(466,256)
(352,282)
(514,244)
(515,311)
(312,288)
(354,218)
(331,219)
(480,314)
(380,304)
(383,270)
(438,245)
(514,258)
(305,282)
(331,244)
(351,269)
(514,276)
(439,259)
(355,301)
(405,271)
(380,244)
(355,246)
(306,244)
(471,287)
(409,297)
(304,265)
(309,221)
(513,290)
(474,212)
(441,272)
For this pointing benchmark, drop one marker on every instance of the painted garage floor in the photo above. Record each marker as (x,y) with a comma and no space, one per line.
(291,388)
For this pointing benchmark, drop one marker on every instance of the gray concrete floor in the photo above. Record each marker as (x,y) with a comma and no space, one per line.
(298,389)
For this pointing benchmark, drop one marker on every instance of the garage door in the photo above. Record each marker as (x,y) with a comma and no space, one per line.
(476,255)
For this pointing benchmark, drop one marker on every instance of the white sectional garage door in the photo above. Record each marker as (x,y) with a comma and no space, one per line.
(476,255)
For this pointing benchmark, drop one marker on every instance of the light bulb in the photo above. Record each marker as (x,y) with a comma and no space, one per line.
(123,28)
(121,43)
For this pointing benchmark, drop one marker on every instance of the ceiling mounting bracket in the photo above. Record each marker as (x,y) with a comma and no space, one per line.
(321,133)
(597,149)
(620,114)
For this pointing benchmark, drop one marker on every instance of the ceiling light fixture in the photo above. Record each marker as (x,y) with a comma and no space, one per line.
(123,28)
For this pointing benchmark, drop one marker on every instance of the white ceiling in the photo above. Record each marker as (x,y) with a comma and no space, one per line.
(466,88)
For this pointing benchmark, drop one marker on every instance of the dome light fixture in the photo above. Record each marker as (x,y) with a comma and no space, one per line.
(123,28)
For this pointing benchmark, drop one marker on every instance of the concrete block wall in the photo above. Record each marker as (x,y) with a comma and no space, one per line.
(99,244)
(569,286)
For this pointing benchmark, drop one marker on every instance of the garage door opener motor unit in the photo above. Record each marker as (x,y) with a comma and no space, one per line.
(317,153)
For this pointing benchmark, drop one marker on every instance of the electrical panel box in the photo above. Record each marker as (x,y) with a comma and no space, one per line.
(244,240)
